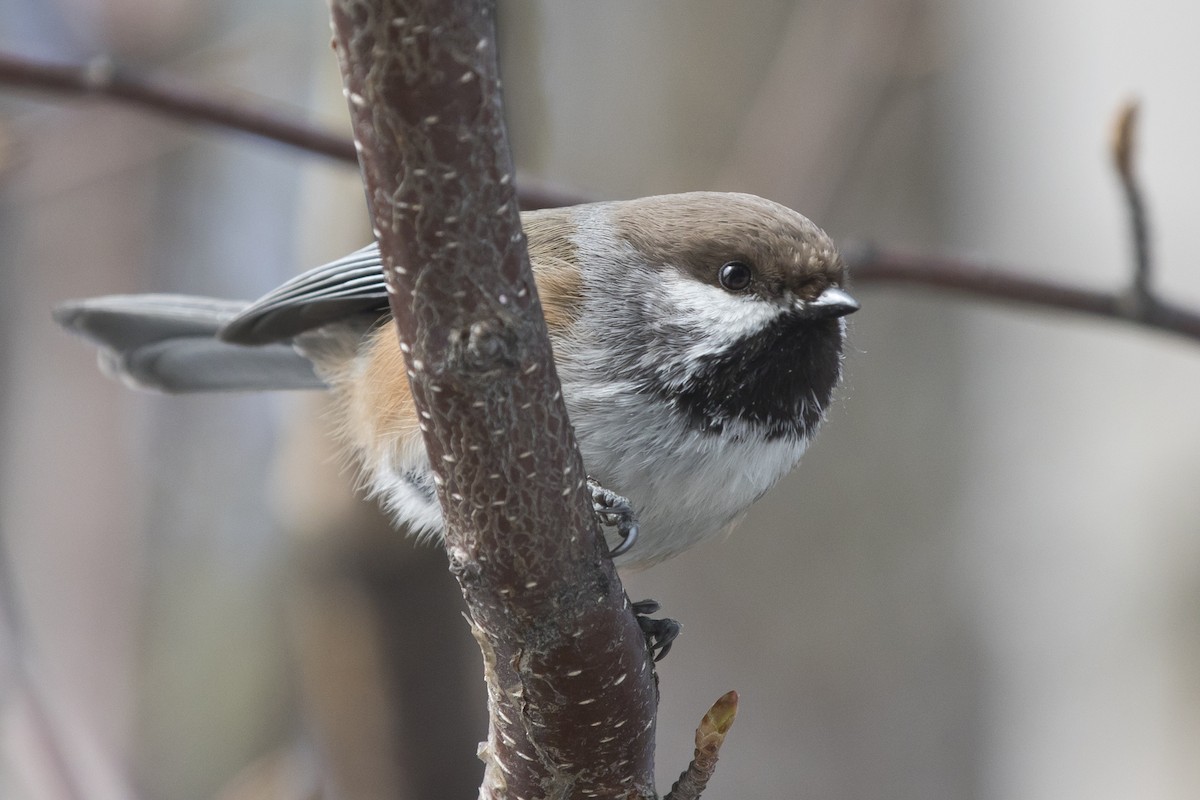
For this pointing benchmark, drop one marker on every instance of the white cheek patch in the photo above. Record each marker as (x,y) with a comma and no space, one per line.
(717,318)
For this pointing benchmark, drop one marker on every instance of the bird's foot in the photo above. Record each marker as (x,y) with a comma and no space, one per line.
(660,633)
(613,509)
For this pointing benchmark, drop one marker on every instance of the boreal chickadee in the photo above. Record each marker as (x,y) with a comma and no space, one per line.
(698,338)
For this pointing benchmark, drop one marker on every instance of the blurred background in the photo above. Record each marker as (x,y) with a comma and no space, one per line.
(982,582)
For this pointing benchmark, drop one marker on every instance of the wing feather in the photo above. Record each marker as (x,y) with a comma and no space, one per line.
(353,286)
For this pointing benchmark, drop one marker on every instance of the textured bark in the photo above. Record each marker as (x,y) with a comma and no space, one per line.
(571,689)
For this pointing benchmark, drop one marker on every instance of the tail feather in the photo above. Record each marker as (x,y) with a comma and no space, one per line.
(169,343)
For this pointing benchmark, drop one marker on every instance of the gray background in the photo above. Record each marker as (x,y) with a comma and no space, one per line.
(982,582)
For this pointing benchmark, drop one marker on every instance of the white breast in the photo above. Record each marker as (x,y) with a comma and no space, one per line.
(685,485)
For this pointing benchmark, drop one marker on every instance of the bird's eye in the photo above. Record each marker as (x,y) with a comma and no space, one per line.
(735,276)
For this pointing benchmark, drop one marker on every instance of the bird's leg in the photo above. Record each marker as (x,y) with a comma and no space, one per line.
(613,509)
(660,633)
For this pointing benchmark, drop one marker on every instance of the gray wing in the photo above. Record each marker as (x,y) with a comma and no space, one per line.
(352,286)
(168,342)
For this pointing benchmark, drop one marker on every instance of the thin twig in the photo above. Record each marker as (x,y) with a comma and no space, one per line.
(1123,152)
(870,265)
(175,101)
(102,78)
(710,735)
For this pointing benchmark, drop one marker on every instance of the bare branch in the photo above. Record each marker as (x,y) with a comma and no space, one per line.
(185,104)
(175,101)
(570,683)
(710,735)
(1123,152)
(886,265)
(870,265)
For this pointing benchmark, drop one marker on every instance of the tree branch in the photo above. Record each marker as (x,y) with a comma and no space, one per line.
(570,683)
(1137,305)
(710,735)
(1123,152)
(181,103)
(174,101)
(869,265)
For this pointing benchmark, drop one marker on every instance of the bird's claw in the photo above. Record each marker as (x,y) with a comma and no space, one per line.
(613,509)
(660,633)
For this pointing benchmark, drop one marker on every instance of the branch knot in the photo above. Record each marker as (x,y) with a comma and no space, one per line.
(484,348)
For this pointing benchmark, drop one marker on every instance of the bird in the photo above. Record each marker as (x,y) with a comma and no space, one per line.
(698,337)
